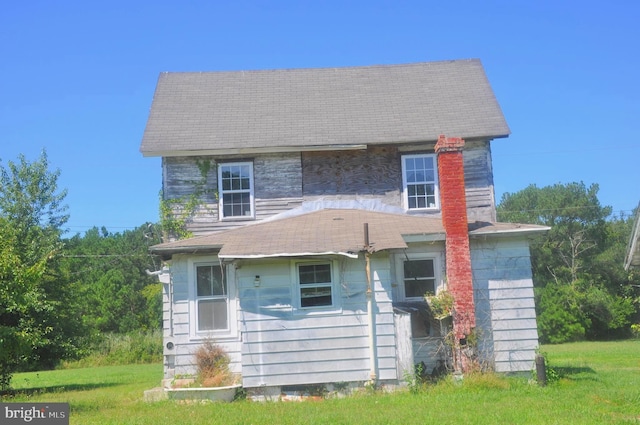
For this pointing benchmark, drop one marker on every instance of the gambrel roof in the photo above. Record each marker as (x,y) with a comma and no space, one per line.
(196,113)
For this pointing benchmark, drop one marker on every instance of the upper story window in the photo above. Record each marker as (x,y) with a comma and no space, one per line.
(235,185)
(212,298)
(420,182)
(315,285)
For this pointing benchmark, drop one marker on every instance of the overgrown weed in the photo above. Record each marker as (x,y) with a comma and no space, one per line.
(117,349)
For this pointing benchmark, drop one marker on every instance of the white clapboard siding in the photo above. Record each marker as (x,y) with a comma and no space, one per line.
(281,346)
(515,329)
(505,307)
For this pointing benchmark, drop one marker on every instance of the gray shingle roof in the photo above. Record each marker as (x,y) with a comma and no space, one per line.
(275,109)
(337,231)
(328,231)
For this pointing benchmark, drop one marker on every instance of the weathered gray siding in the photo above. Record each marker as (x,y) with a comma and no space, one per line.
(370,173)
(277,180)
(505,310)
(478,180)
(283,181)
(377,173)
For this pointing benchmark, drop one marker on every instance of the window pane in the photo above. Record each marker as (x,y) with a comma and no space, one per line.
(315,273)
(418,288)
(410,164)
(236,204)
(212,315)
(429,176)
(315,296)
(209,281)
(418,268)
(419,278)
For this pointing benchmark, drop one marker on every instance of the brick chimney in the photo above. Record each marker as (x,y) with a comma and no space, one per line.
(454,219)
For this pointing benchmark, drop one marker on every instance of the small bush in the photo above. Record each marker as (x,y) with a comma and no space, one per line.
(212,363)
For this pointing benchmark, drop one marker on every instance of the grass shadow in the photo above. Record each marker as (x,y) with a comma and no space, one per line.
(576,373)
(29,392)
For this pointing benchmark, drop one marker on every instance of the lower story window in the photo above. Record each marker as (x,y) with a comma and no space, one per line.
(212,300)
(316,286)
(419,278)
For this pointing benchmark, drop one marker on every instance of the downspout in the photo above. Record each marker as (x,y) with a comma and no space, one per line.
(373,360)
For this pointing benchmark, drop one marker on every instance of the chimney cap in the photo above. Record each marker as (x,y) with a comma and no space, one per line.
(449,144)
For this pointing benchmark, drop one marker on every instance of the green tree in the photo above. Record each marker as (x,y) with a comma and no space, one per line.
(109,271)
(34,325)
(582,289)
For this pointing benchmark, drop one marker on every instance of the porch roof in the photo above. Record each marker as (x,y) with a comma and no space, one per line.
(328,231)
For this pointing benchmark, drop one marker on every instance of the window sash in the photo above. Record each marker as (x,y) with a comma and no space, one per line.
(235,184)
(212,301)
(419,178)
(315,285)
(419,278)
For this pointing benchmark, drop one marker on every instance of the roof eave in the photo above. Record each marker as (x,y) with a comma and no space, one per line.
(508,232)
(252,150)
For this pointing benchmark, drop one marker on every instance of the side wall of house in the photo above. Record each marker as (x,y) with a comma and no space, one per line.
(283,181)
(179,360)
(505,308)
(376,173)
(282,346)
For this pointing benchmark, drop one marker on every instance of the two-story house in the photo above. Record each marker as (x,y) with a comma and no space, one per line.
(325,204)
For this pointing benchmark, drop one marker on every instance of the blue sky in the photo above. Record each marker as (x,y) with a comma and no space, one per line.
(77,79)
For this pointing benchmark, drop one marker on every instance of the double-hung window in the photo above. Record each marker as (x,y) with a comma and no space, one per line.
(235,186)
(419,277)
(420,182)
(315,284)
(212,298)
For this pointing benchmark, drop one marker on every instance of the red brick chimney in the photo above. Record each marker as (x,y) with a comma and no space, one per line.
(454,219)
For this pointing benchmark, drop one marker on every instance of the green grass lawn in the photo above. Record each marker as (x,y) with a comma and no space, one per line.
(599,384)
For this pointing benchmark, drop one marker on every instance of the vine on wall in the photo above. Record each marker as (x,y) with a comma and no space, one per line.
(176,213)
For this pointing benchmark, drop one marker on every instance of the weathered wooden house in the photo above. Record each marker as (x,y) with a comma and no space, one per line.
(325,204)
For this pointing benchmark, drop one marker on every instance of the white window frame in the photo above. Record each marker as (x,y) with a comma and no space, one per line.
(437,271)
(229,278)
(333,285)
(406,183)
(221,191)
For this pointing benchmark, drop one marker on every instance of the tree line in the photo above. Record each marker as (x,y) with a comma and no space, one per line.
(60,295)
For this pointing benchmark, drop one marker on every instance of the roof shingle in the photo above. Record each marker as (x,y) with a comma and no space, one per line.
(291,108)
